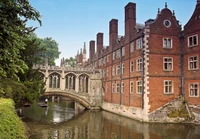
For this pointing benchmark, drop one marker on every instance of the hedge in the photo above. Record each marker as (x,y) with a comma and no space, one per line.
(11,126)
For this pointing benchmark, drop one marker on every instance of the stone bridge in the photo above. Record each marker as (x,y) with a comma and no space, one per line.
(83,85)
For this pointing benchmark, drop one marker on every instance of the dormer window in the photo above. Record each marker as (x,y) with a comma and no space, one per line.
(192,40)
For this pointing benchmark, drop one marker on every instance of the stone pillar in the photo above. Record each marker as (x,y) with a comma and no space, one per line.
(89,86)
(47,83)
(77,84)
(62,83)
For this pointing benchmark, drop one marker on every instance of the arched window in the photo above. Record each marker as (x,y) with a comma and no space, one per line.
(70,81)
(54,81)
(83,83)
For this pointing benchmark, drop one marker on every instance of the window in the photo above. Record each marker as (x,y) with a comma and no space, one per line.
(193,62)
(122,87)
(107,72)
(167,64)
(118,54)
(122,68)
(104,60)
(131,66)
(104,73)
(123,51)
(113,88)
(108,57)
(139,64)
(139,44)
(118,87)
(194,90)
(106,87)
(168,87)
(192,40)
(139,87)
(131,87)
(118,70)
(132,47)
(113,55)
(167,43)
(113,71)
(54,81)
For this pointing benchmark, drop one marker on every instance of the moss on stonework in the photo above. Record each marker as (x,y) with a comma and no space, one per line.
(11,126)
(181,112)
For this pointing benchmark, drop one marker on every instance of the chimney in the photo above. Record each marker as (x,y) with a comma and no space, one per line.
(113,32)
(99,43)
(92,50)
(130,20)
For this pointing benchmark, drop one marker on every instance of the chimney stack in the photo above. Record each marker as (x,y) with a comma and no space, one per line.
(113,32)
(130,20)
(92,50)
(99,43)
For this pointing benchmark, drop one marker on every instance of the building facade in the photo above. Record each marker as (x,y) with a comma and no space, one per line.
(151,65)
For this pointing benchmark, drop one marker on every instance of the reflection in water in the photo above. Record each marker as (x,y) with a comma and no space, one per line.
(61,123)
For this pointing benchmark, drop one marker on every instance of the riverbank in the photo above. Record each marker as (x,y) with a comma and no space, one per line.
(11,125)
(176,111)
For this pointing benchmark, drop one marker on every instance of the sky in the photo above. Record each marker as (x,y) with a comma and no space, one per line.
(72,22)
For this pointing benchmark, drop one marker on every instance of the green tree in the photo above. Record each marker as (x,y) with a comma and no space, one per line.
(17,51)
(51,51)
(14,14)
(70,61)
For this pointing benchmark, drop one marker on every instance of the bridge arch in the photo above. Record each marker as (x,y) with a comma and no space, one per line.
(55,72)
(73,96)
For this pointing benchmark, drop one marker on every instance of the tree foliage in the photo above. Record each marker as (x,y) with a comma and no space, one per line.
(70,61)
(18,51)
(51,51)
(14,14)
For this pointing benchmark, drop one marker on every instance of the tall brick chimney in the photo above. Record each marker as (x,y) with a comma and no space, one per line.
(99,43)
(130,20)
(113,32)
(92,50)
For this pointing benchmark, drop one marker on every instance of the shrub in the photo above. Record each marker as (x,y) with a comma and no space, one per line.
(11,126)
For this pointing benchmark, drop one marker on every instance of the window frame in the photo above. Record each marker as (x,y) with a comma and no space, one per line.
(122,87)
(189,87)
(113,87)
(131,87)
(132,47)
(192,37)
(113,56)
(113,71)
(118,69)
(139,43)
(123,67)
(171,43)
(197,62)
(118,88)
(139,86)
(172,87)
(123,51)
(131,66)
(164,62)
(139,64)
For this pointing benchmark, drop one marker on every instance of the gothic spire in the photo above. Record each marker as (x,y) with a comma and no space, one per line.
(84,48)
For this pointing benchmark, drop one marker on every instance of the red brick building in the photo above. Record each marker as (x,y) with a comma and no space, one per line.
(151,65)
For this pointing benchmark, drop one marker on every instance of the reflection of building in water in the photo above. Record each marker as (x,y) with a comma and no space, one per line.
(105,125)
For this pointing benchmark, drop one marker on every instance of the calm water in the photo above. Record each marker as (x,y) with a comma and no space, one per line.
(59,121)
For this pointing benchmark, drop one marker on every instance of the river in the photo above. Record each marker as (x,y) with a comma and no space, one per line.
(59,121)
